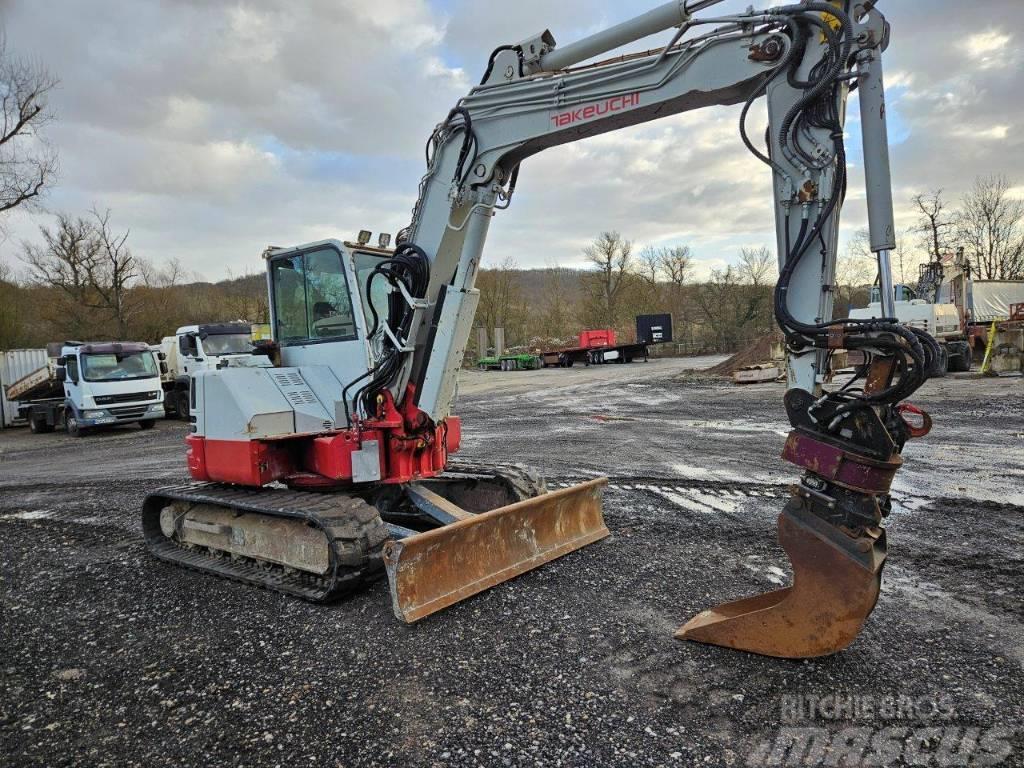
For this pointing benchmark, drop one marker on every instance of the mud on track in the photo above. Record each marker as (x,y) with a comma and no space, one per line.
(110,657)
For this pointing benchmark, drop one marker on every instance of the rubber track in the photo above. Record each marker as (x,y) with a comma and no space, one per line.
(353,527)
(521,481)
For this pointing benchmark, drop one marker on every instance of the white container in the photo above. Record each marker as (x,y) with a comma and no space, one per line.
(16,364)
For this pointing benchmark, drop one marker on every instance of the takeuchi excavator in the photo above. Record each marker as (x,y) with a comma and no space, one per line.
(335,465)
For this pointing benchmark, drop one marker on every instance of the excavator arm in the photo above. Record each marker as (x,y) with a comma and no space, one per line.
(805,59)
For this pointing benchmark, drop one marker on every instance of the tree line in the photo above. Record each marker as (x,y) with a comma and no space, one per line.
(548,307)
(82,280)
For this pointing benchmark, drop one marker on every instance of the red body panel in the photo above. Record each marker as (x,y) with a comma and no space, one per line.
(411,448)
(244,462)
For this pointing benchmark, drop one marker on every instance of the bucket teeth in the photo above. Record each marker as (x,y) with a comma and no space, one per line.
(836,581)
(433,570)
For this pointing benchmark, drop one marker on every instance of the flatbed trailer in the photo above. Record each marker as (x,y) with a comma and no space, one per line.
(619,353)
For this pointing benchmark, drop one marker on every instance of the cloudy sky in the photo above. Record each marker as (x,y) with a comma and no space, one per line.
(213,128)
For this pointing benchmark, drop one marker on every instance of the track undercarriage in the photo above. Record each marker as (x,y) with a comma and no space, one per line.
(439,540)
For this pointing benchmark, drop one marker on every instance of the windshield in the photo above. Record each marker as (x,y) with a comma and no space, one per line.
(228,344)
(311,300)
(113,367)
(379,288)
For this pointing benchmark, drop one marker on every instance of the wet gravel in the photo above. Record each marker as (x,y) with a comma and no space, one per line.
(112,658)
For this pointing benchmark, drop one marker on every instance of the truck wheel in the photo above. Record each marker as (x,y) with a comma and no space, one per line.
(182,405)
(37,425)
(960,358)
(72,428)
(147,423)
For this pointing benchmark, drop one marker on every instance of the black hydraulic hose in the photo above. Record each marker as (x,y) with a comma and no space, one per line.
(493,56)
(827,80)
(794,30)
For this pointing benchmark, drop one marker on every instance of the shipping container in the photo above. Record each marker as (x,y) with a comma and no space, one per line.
(654,329)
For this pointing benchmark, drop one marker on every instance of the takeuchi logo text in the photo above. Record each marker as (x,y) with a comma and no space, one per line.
(614,104)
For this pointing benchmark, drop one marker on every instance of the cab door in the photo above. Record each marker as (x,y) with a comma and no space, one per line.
(315,320)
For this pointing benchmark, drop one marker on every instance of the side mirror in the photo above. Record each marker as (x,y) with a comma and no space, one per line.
(62,360)
(161,356)
(164,370)
(62,374)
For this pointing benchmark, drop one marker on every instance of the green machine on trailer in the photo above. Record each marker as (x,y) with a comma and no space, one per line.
(522,362)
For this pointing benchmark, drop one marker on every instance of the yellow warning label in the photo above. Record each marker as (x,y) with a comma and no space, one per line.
(831,20)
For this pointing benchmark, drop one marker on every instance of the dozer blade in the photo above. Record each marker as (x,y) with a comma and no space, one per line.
(836,580)
(433,570)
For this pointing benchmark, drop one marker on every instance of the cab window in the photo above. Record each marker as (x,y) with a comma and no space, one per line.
(311,298)
(380,289)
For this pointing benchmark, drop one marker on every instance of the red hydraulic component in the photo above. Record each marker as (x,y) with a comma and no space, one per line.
(919,422)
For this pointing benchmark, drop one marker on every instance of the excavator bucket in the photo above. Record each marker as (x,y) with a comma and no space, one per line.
(836,580)
(433,570)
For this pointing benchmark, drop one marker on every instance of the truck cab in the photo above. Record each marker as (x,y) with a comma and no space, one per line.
(99,384)
(205,347)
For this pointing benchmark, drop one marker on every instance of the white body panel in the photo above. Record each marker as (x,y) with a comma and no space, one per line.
(453,329)
(940,320)
(263,403)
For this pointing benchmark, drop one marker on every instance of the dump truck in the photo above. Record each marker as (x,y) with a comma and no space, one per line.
(83,386)
(195,348)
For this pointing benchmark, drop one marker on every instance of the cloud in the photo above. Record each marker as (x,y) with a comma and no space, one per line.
(988,48)
(216,127)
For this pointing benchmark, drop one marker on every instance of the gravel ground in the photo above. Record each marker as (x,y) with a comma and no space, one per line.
(112,658)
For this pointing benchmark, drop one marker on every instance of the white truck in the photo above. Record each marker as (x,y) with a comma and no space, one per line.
(942,320)
(204,347)
(86,385)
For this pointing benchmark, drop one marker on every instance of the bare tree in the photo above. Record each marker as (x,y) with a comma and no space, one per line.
(27,162)
(113,271)
(935,224)
(991,227)
(855,273)
(500,299)
(905,261)
(66,261)
(677,264)
(734,310)
(649,265)
(166,275)
(612,256)
(757,266)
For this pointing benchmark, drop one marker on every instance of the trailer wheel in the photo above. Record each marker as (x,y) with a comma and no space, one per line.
(147,423)
(181,404)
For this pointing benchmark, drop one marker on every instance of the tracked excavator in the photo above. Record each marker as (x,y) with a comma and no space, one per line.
(336,465)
